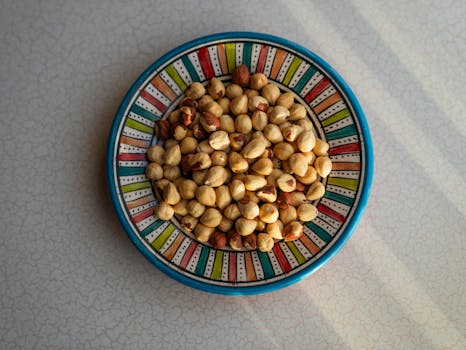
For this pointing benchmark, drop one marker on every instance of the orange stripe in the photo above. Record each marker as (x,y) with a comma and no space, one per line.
(163,87)
(313,248)
(170,253)
(346,166)
(140,201)
(133,142)
(334,98)
(222,57)
(249,267)
(277,63)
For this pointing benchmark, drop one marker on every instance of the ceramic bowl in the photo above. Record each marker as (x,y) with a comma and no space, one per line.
(337,118)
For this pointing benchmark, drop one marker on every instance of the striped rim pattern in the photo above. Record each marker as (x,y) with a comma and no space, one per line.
(334,120)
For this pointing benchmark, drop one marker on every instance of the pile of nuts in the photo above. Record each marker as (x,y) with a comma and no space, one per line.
(239,163)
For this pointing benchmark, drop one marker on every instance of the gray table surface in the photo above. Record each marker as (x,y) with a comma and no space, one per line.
(71,279)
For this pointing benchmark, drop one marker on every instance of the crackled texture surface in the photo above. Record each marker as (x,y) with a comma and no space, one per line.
(71,279)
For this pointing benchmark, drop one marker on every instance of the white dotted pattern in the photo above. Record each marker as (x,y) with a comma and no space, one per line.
(285,66)
(141,119)
(343,141)
(339,124)
(322,96)
(275,264)
(225,263)
(257,265)
(209,264)
(136,134)
(125,180)
(302,68)
(133,195)
(124,148)
(313,237)
(151,237)
(213,54)
(191,267)
(289,255)
(269,60)
(197,65)
(148,106)
(239,54)
(303,250)
(171,83)
(141,225)
(346,174)
(132,163)
(337,107)
(180,252)
(255,54)
(183,72)
(240,268)
(341,190)
(151,89)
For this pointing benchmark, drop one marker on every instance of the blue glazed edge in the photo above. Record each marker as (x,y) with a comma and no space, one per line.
(273,286)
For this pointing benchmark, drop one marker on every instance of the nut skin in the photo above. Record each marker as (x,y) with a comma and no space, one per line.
(209,122)
(258,103)
(186,115)
(237,141)
(162,129)
(250,241)
(268,194)
(284,200)
(241,76)
(189,222)
(234,240)
(218,240)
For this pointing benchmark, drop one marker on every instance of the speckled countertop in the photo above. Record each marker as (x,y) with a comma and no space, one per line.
(71,279)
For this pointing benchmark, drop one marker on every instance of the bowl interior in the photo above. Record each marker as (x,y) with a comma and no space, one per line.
(336,116)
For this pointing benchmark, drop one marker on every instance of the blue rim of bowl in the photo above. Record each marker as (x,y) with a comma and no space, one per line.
(339,243)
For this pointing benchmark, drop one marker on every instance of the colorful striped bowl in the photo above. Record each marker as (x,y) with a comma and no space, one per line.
(339,120)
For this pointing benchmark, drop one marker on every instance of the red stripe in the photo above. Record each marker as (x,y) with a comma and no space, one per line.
(204,59)
(143,215)
(132,156)
(316,90)
(330,212)
(262,59)
(281,258)
(189,252)
(152,100)
(232,272)
(349,148)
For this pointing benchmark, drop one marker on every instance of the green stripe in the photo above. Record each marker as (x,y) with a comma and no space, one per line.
(350,184)
(126,170)
(247,49)
(152,227)
(293,67)
(336,117)
(160,240)
(144,113)
(138,126)
(324,235)
(339,198)
(266,265)
(217,270)
(200,267)
(343,132)
(136,186)
(190,68)
(172,72)
(230,52)
(296,253)
(304,79)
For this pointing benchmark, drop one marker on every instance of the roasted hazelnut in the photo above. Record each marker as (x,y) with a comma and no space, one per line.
(275,229)
(237,141)
(171,172)
(258,81)
(288,215)
(290,133)
(297,112)
(243,124)
(309,177)
(285,100)
(170,194)
(216,88)
(306,141)
(257,103)
(219,140)
(224,102)
(263,166)
(199,176)
(195,91)
(211,217)
(203,232)
(222,197)
(286,183)
(188,189)
(172,155)
(237,163)
(283,150)
(268,213)
(195,208)
(237,190)
(248,209)
(162,129)
(254,182)
(250,241)
(203,101)
(298,164)
(278,115)
(274,175)
(186,115)
(155,154)
(225,225)
(321,147)
(181,208)
(315,191)
(241,76)
(271,92)
(154,171)
(209,121)
(200,161)
(297,198)
(218,240)
(233,90)
(188,145)
(227,124)
(219,158)
(216,176)
(292,231)
(204,146)
(254,148)
(273,133)
(163,211)
(323,166)
(189,222)
(267,193)
(239,105)
(259,120)
(307,212)
(206,195)
(232,211)
(245,226)
(234,240)
(264,242)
